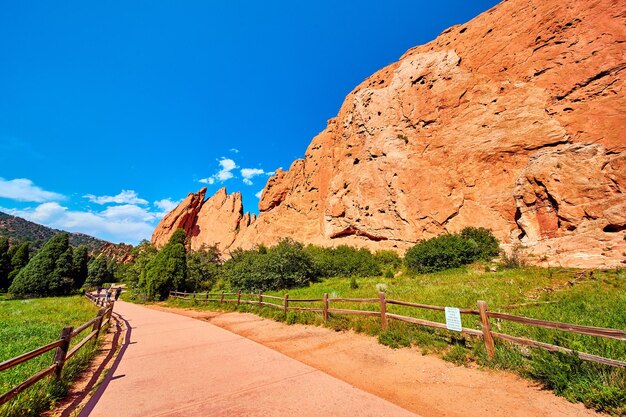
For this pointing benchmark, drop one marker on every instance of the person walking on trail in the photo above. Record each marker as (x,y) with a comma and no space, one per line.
(118,291)
(99,290)
(108,294)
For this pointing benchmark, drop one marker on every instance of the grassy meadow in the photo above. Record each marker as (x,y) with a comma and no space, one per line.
(28,324)
(594,298)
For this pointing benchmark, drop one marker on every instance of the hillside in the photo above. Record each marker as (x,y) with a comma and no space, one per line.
(18,229)
(513,121)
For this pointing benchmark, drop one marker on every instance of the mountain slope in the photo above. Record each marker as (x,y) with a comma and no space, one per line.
(18,229)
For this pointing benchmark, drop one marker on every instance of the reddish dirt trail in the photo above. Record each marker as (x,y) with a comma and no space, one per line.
(171,365)
(423,384)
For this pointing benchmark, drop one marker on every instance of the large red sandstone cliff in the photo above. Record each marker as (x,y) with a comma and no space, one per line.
(515,121)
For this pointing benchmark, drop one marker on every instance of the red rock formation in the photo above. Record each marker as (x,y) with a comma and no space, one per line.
(514,121)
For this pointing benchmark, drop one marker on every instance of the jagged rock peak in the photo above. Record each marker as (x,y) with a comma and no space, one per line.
(513,121)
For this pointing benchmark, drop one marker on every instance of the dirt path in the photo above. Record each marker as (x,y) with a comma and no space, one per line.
(425,385)
(171,365)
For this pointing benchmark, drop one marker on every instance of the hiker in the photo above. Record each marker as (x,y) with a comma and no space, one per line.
(99,290)
(108,294)
(118,291)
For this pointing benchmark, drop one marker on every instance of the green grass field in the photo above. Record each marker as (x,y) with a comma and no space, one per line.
(559,295)
(28,324)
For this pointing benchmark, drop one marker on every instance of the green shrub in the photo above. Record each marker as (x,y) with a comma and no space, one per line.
(452,250)
(353,284)
(343,261)
(488,246)
(202,268)
(285,265)
(439,253)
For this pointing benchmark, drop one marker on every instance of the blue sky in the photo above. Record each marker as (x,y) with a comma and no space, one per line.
(111,112)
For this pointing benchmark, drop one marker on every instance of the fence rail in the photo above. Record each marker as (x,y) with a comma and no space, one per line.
(485,319)
(61,345)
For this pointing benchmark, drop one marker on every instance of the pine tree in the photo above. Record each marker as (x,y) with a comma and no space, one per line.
(62,278)
(168,269)
(19,260)
(98,272)
(36,277)
(80,265)
(5,263)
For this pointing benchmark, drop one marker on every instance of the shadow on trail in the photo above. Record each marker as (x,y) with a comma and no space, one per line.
(109,376)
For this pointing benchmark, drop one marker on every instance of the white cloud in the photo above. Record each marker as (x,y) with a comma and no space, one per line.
(23,189)
(248,173)
(225,173)
(259,194)
(234,150)
(126,223)
(124,197)
(166,205)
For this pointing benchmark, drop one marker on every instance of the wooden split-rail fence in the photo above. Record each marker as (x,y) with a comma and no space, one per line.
(62,345)
(486,332)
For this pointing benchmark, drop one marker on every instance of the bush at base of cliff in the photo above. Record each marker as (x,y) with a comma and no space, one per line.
(285,265)
(452,250)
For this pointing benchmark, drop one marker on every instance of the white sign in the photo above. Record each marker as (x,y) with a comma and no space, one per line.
(453,319)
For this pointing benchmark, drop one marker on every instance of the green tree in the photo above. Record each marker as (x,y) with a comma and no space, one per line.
(61,280)
(168,269)
(202,268)
(80,265)
(19,260)
(98,272)
(488,246)
(135,272)
(43,275)
(5,263)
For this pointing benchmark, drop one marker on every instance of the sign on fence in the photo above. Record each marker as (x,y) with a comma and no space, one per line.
(453,319)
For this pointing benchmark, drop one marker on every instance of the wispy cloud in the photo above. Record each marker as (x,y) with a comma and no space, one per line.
(234,150)
(227,165)
(166,205)
(124,197)
(248,173)
(23,189)
(259,194)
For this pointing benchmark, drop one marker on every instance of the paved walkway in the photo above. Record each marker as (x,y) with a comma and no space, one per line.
(173,365)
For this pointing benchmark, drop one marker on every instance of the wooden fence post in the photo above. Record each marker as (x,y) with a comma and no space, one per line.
(98,323)
(238,297)
(260,298)
(486,325)
(383,310)
(59,356)
(286,303)
(325,306)
(222,297)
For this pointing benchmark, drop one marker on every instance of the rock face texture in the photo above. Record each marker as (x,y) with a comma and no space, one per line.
(515,121)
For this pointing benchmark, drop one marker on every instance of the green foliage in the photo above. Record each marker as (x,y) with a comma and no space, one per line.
(135,272)
(345,261)
(5,263)
(353,284)
(285,265)
(49,272)
(167,270)
(488,246)
(202,268)
(452,250)
(388,259)
(80,265)
(98,272)
(19,259)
